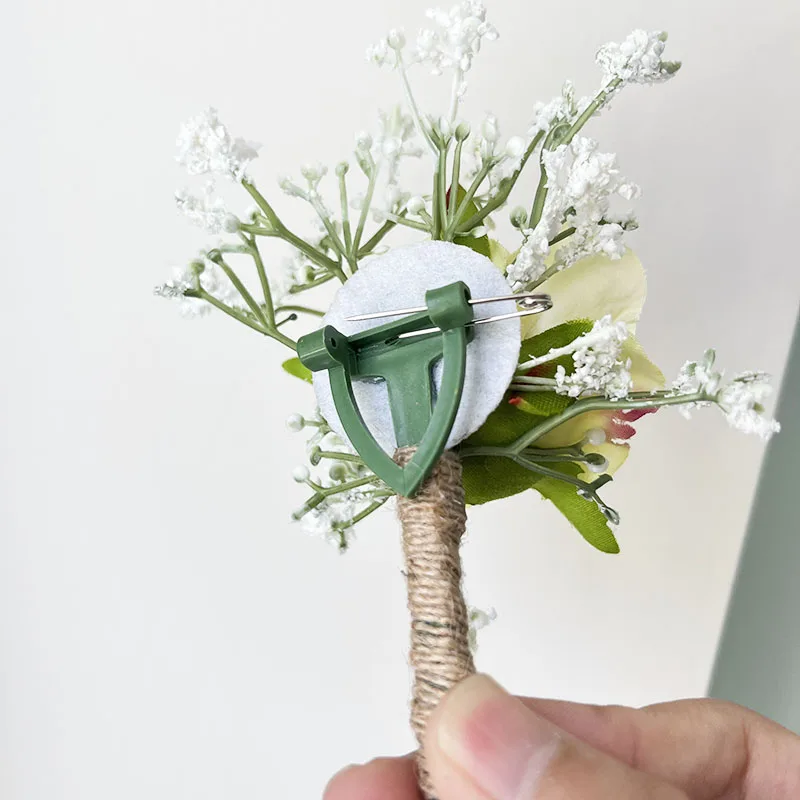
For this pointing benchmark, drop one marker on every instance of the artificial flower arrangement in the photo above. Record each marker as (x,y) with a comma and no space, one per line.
(563,416)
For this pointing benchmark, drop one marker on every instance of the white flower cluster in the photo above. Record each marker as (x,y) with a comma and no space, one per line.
(561,110)
(206,211)
(199,274)
(457,39)
(333,517)
(581,182)
(451,45)
(205,146)
(599,366)
(741,400)
(637,59)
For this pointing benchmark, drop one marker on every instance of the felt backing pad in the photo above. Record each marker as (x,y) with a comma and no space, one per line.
(400,279)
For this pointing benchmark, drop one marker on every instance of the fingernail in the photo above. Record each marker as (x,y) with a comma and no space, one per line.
(491,736)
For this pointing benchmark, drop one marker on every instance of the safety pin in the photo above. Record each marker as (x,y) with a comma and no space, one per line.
(544,301)
(531,302)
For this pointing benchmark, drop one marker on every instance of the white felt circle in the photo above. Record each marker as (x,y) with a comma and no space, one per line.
(400,279)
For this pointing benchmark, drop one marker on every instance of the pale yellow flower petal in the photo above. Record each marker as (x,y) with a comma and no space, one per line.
(646,375)
(590,289)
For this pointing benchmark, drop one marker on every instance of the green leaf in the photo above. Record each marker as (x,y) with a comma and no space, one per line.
(559,336)
(584,515)
(543,404)
(505,424)
(294,366)
(488,478)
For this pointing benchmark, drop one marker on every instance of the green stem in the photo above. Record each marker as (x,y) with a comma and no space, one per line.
(262,276)
(242,289)
(454,182)
(314,255)
(362,219)
(314,312)
(302,287)
(565,234)
(372,507)
(599,404)
(376,238)
(541,189)
(412,104)
(339,456)
(410,223)
(257,230)
(440,194)
(595,105)
(503,192)
(348,239)
(464,204)
(202,294)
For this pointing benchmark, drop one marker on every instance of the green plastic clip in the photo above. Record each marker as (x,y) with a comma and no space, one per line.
(420,416)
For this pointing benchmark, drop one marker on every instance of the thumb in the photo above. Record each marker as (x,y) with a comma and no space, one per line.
(484,744)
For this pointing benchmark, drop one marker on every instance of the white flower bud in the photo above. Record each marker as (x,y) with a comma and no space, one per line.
(415,204)
(342,168)
(481,230)
(314,172)
(301,473)
(595,436)
(231,223)
(396,39)
(445,128)
(462,131)
(363,142)
(337,471)
(515,147)
(519,217)
(489,128)
(197,267)
(295,422)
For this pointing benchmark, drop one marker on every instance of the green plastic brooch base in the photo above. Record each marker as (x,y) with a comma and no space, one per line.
(421,417)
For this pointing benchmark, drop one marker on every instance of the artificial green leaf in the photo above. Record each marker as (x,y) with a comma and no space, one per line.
(559,336)
(294,366)
(584,515)
(542,404)
(488,478)
(505,424)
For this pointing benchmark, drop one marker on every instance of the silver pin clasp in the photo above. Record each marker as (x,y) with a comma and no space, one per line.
(531,303)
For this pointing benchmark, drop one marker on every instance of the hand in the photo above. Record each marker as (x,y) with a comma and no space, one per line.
(484,744)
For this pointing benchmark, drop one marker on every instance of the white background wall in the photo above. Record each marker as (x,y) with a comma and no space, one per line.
(165,631)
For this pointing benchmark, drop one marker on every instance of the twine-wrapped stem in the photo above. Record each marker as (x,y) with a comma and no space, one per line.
(433,522)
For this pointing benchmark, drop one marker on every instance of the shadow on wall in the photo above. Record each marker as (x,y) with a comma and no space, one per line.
(758,663)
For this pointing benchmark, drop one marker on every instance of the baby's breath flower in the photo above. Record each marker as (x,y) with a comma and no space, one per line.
(637,59)
(599,366)
(457,38)
(197,275)
(205,145)
(580,184)
(205,211)
(742,401)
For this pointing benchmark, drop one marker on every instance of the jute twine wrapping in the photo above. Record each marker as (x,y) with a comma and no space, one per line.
(433,523)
